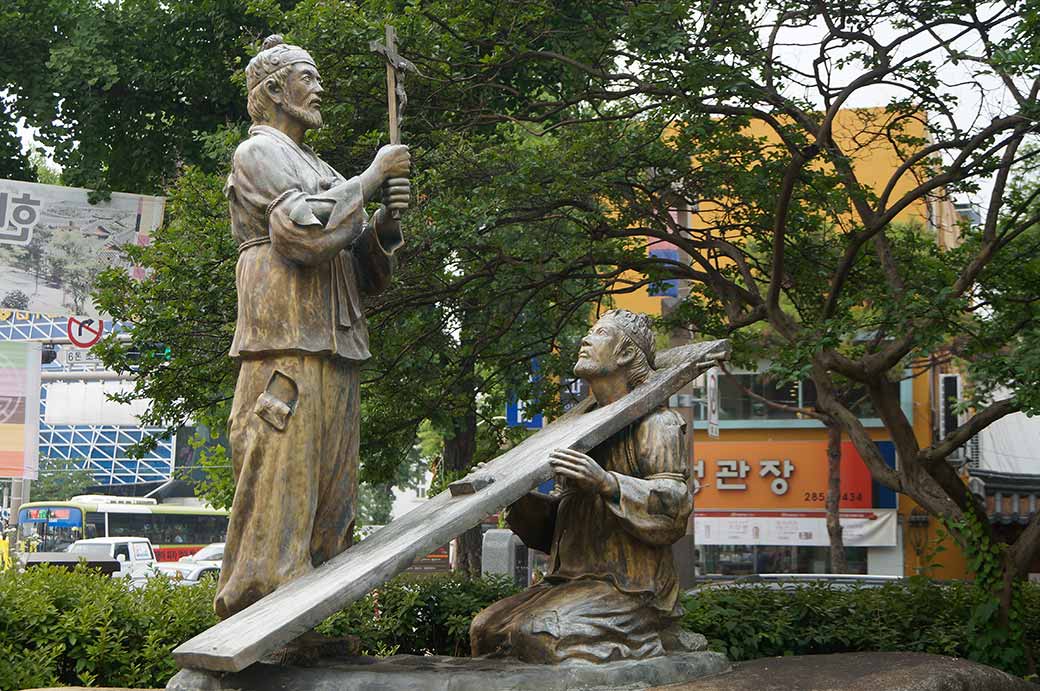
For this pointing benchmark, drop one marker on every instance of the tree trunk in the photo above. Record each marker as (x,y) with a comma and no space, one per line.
(838,563)
(459,450)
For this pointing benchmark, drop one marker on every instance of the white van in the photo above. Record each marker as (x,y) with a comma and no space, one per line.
(134,554)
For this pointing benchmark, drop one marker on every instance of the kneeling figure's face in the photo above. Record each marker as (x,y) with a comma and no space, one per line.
(597,356)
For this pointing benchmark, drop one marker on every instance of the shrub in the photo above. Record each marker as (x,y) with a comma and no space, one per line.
(419,614)
(913,616)
(59,627)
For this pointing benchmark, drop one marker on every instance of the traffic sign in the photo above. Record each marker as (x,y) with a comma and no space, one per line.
(79,356)
(86,332)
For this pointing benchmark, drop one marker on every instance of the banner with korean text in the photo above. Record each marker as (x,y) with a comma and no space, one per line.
(19,409)
(774,493)
(794,528)
(54,243)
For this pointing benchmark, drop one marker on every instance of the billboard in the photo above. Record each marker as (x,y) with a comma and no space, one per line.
(782,475)
(19,395)
(54,243)
(774,493)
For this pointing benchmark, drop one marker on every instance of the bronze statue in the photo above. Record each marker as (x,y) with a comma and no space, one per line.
(611,591)
(307,253)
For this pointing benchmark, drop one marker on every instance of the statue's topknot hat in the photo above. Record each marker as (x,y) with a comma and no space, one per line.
(273,56)
(638,329)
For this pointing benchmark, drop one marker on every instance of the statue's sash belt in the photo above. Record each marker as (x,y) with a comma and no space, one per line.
(255,242)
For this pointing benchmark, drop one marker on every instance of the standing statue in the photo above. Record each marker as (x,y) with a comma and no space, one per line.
(307,252)
(611,591)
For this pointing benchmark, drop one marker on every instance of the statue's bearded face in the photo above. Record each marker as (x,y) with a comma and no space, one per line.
(303,95)
(598,354)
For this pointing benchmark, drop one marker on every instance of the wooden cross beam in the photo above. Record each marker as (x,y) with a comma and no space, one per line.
(396,66)
(290,611)
(396,98)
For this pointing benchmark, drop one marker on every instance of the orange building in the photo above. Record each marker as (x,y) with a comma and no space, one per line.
(761,485)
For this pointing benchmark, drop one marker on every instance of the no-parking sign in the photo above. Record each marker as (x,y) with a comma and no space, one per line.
(84,333)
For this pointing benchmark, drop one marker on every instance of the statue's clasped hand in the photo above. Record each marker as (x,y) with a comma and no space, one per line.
(394,163)
(397,194)
(583,473)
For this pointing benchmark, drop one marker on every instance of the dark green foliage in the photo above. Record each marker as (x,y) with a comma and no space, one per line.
(418,615)
(120,89)
(16,300)
(79,628)
(14,165)
(187,305)
(915,615)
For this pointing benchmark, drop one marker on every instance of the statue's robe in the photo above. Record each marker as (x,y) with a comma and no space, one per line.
(611,591)
(299,339)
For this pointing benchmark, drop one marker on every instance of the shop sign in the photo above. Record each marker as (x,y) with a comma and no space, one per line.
(775,475)
(875,528)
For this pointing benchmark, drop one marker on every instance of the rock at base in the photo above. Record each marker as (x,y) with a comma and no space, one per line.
(437,673)
(860,672)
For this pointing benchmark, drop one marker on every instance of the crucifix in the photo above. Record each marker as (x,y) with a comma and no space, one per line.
(396,97)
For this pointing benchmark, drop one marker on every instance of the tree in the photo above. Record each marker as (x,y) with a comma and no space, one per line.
(792,249)
(14,164)
(61,479)
(481,295)
(15,299)
(592,123)
(121,106)
(69,259)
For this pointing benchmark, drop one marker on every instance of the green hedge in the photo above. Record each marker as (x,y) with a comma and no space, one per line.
(914,615)
(59,628)
(418,615)
(79,628)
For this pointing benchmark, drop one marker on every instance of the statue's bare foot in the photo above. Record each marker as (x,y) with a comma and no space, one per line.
(312,647)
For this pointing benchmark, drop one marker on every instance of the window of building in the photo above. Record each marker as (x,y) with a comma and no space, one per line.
(745,560)
(740,398)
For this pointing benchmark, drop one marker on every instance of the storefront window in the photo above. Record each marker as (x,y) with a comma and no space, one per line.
(745,560)
(736,403)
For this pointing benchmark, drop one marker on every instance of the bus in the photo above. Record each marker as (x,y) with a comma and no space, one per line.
(174,530)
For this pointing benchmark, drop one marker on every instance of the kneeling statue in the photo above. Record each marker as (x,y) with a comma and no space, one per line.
(611,591)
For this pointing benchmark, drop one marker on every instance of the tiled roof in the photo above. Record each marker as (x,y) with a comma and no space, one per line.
(1011,498)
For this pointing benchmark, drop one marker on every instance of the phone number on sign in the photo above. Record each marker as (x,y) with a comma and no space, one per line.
(822,496)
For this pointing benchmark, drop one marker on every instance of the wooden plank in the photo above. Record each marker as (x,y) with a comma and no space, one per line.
(246,637)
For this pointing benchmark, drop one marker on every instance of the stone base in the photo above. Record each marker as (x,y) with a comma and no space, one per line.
(860,672)
(435,673)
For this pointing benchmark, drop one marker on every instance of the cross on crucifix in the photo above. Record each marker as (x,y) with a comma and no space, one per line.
(396,98)
(396,66)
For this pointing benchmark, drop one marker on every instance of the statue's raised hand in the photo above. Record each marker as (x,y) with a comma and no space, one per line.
(393,161)
(583,473)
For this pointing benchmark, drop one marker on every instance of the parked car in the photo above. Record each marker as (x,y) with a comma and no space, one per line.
(134,554)
(194,568)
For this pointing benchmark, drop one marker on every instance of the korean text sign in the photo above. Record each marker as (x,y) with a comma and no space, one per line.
(785,475)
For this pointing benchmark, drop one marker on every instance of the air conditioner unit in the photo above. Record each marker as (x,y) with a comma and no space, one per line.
(973,452)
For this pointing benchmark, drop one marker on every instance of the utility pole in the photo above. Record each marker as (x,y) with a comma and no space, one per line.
(19,496)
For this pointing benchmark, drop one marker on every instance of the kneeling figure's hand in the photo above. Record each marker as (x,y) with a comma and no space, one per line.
(583,473)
